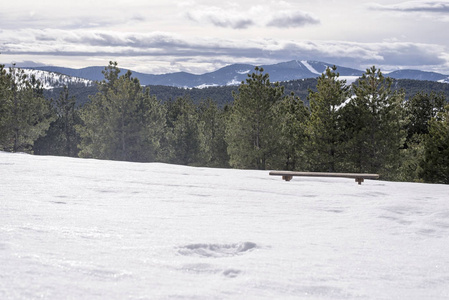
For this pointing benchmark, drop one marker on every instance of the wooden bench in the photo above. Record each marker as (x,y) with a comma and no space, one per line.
(359,177)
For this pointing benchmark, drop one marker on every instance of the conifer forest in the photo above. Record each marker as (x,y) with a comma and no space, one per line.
(367,126)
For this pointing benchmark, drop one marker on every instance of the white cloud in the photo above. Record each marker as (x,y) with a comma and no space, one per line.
(219,17)
(235,17)
(286,19)
(74,15)
(201,35)
(414,6)
(191,53)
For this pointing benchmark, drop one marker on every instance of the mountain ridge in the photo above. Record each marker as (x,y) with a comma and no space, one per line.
(236,73)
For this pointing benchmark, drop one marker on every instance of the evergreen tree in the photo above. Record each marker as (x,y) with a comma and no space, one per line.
(324,128)
(183,141)
(5,99)
(374,125)
(61,138)
(25,113)
(292,115)
(252,130)
(411,158)
(435,165)
(65,109)
(419,110)
(212,128)
(122,121)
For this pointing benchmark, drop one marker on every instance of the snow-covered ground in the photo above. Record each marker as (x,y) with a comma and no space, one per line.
(92,229)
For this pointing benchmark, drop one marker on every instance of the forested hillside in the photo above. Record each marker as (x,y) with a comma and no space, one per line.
(376,125)
(222,95)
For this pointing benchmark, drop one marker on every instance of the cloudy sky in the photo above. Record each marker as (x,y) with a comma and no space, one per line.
(198,36)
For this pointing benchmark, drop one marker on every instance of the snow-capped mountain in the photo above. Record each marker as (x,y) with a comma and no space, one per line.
(234,74)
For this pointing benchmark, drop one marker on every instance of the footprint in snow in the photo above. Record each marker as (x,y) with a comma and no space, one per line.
(216,250)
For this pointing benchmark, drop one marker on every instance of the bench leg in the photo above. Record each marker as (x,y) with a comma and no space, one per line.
(359,180)
(287,177)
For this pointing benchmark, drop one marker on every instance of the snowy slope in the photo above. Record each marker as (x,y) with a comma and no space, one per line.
(310,68)
(92,229)
(52,80)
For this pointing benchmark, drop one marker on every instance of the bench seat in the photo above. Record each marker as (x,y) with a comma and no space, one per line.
(359,177)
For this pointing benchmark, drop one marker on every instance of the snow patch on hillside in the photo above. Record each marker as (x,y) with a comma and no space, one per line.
(52,80)
(446,80)
(243,72)
(204,86)
(349,79)
(234,81)
(309,67)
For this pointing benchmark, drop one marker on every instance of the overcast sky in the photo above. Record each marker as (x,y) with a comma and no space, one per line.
(199,36)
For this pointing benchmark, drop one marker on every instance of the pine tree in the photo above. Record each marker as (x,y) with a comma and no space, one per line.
(183,141)
(25,113)
(61,137)
(65,108)
(5,99)
(435,165)
(419,111)
(122,121)
(251,133)
(324,127)
(292,115)
(374,125)
(212,126)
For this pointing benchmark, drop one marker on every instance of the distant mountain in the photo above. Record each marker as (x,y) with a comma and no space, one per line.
(229,75)
(90,73)
(236,73)
(418,75)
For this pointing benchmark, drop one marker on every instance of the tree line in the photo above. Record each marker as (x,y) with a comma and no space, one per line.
(222,95)
(364,127)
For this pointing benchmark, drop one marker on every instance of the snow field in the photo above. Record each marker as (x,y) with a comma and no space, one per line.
(79,228)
